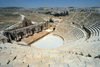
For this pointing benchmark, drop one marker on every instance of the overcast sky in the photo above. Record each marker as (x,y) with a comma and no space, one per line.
(49,3)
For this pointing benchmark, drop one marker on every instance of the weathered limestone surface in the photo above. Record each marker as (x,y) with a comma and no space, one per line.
(26,22)
(26,30)
(73,54)
(23,56)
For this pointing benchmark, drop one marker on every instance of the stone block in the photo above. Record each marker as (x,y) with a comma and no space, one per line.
(8,65)
(31,61)
(59,65)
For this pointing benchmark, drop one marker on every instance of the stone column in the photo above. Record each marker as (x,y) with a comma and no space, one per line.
(36,29)
(43,26)
(22,33)
(39,28)
(33,31)
(15,35)
(9,36)
(17,38)
(48,25)
(29,32)
(26,33)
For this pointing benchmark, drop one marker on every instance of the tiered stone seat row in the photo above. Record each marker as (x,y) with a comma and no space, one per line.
(92,19)
(95,31)
(44,58)
(68,18)
(74,35)
(63,28)
(79,17)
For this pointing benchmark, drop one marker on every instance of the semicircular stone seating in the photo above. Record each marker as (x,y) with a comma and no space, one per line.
(86,56)
(90,21)
(95,32)
(70,33)
(74,35)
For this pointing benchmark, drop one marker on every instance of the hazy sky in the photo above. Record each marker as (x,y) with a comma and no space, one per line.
(49,3)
